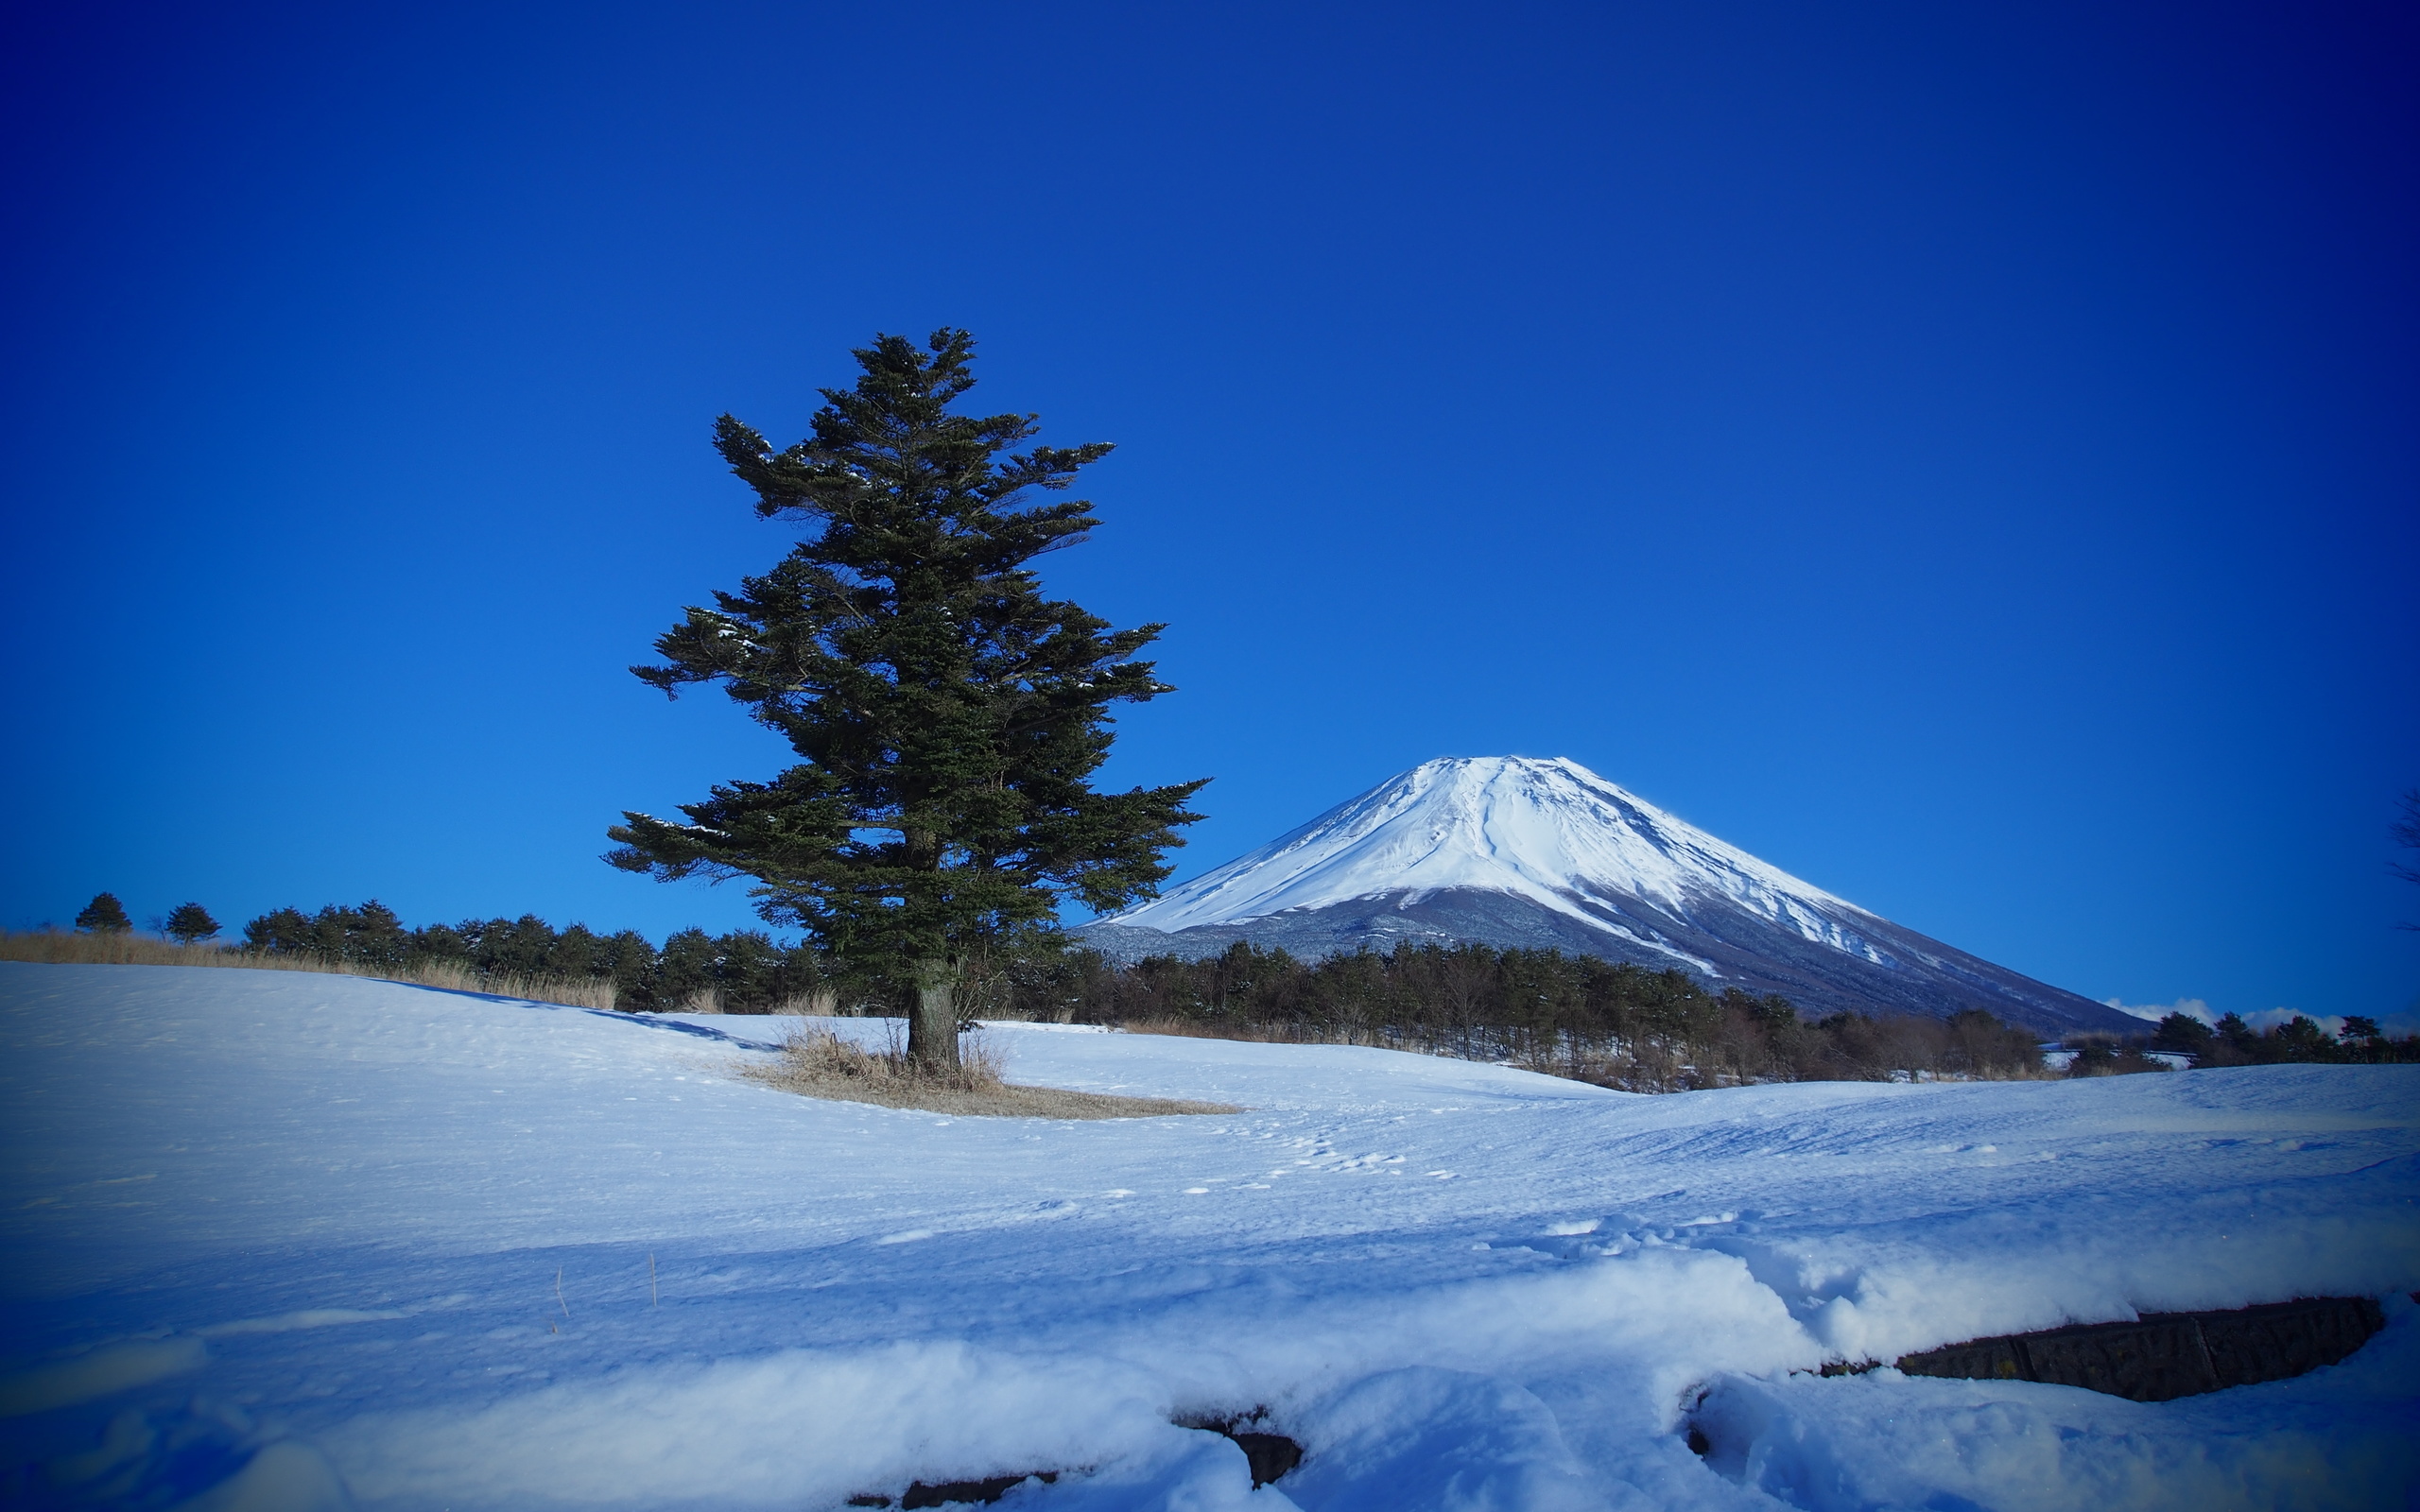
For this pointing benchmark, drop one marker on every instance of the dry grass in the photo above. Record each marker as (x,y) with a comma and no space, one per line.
(58,948)
(572,992)
(818,1063)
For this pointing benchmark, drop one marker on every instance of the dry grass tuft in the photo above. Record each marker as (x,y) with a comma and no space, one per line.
(571,991)
(117,948)
(819,1063)
(58,948)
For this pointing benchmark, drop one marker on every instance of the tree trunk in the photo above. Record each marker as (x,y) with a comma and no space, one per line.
(932,1024)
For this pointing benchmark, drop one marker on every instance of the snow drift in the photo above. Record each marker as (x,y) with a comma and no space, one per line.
(284,1241)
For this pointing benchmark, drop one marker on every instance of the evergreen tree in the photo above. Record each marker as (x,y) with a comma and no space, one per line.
(190,922)
(629,961)
(2237,1035)
(370,935)
(686,968)
(949,716)
(2183,1033)
(104,915)
(2299,1041)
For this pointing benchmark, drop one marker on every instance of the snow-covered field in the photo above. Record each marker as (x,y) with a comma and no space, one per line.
(287,1241)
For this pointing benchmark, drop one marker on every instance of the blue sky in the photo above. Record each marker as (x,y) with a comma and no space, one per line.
(1964,457)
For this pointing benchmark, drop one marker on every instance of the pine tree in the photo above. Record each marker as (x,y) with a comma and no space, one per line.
(949,716)
(2184,1034)
(189,922)
(104,915)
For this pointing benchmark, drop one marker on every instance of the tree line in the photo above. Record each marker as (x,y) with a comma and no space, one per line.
(1616,1024)
(2231,1042)
(742,971)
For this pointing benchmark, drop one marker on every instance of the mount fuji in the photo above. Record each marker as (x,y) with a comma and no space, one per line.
(1515,852)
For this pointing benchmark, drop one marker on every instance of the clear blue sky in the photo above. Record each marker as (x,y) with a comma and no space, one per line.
(1965,455)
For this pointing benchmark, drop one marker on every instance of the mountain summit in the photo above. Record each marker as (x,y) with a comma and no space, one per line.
(1512,851)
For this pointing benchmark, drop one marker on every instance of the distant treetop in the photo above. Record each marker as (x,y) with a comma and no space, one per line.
(104,915)
(189,923)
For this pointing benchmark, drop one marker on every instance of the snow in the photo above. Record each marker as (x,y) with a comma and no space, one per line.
(1552,832)
(2338,1438)
(289,1241)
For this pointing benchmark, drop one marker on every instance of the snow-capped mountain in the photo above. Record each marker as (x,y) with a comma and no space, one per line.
(1512,851)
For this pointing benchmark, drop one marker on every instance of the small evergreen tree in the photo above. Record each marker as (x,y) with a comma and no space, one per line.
(2236,1038)
(949,716)
(2299,1041)
(104,915)
(189,923)
(279,932)
(516,947)
(687,970)
(629,961)
(2093,1057)
(2184,1034)
(370,935)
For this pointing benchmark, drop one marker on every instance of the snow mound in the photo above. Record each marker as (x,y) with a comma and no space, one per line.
(284,1240)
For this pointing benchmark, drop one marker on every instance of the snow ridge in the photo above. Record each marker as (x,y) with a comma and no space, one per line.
(1547,829)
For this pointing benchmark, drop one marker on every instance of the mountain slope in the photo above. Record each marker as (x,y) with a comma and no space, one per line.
(1512,851)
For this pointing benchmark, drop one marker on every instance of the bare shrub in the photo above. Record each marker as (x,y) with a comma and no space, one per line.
(816,1063)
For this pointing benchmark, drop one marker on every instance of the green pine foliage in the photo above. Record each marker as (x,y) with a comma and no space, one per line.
(189,924)
(104,915)
(948,716)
